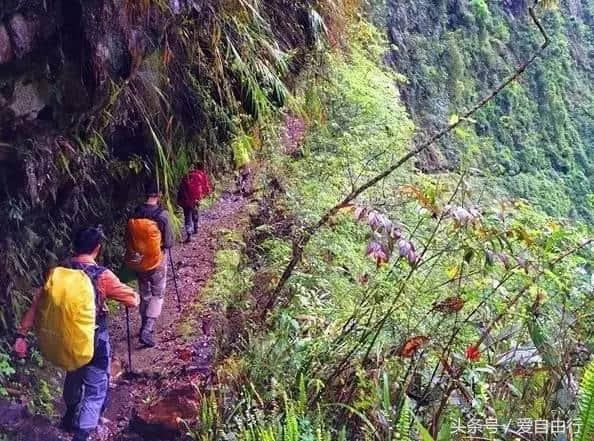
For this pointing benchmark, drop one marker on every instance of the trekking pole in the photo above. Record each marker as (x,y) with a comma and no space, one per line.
(129,346)
(174,280)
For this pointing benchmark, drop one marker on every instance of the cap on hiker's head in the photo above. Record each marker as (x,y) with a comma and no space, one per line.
(87,239)
(151,188)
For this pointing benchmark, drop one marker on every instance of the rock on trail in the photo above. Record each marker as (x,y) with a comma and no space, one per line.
(167,380)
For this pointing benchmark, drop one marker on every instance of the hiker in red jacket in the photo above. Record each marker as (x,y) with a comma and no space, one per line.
(193,188)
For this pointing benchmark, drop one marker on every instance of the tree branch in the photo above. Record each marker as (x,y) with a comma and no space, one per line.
(501,315)
(299,244)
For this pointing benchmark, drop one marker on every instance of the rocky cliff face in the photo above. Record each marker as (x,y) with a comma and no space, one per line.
(95,93)
(64,52)
(536,138)
(59,60)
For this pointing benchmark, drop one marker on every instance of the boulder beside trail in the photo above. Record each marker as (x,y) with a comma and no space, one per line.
(20,425)
(162,419)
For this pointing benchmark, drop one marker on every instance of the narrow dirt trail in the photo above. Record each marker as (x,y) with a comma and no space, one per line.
(175,360)
(146,405)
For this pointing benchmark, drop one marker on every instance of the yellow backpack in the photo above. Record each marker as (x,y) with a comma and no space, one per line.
(65,320)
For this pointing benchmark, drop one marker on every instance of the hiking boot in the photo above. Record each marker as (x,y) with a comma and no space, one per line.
(147,339)
(67,421)
(81,435)
(146,333)
(188,238)
(142,323)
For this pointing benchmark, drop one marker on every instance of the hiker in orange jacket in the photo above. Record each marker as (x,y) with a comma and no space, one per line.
(148,237)
(193,188)
(85,389)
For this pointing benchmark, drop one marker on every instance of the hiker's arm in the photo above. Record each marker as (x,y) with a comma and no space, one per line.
(167,231)
(112,288)
(28,319)
(20,344)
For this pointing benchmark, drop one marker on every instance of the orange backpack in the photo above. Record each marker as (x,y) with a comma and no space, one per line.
(143,244)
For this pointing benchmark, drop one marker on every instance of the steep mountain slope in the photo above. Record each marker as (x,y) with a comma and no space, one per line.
(422,303)
(536,139)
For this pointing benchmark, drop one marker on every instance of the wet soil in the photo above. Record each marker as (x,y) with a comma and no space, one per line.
(164,383)
(182,356)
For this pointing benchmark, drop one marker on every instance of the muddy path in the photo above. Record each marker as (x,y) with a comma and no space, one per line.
(167,381)
(182,356)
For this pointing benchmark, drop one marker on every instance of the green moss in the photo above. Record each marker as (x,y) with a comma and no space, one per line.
(366,127)
(228,284)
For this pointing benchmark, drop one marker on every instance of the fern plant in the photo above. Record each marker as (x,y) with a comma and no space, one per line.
(404,422)
(586,407)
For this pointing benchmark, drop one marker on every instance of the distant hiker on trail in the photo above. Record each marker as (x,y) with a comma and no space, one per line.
(242,147)
(242,180)
(192,189)
(70,318)
(148,236)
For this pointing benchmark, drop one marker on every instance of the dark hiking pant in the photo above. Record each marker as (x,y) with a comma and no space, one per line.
(191,220)
(86,389)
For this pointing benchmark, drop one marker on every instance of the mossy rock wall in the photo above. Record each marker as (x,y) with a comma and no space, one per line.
(536,139)
(96,95)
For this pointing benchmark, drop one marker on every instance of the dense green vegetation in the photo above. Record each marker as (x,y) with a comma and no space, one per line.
(535,139)
(176,93)
(434,299)
(427,304)
(82,128)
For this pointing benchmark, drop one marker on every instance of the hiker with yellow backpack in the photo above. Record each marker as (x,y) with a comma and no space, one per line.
(148,237)
(70,319)
(242,146)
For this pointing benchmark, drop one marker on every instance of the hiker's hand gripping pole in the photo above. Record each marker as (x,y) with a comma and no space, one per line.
(174,279)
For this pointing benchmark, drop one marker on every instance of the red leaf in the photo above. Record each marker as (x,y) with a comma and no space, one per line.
(449,305)
(412,345)
(184,354)
(472,353)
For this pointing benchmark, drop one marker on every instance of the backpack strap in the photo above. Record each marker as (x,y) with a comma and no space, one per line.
(154,215)
(157,218)
(93,271)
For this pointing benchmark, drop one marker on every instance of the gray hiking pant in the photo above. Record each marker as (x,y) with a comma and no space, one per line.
(151,285)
